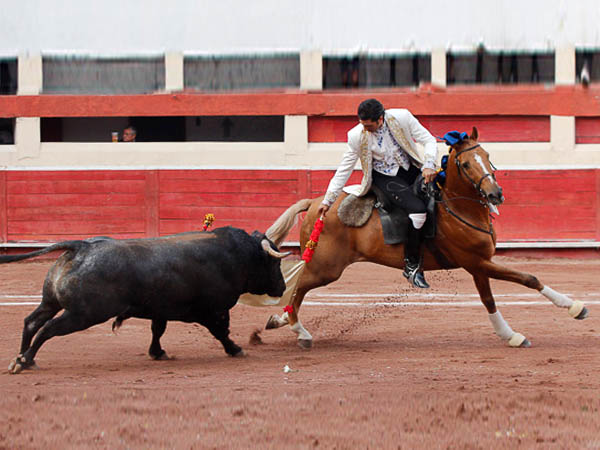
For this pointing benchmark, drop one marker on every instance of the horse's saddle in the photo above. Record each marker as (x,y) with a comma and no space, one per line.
(355,211)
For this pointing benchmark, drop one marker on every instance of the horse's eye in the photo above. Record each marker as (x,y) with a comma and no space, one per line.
(466,165)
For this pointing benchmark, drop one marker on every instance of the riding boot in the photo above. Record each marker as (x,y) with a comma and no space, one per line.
(413,271)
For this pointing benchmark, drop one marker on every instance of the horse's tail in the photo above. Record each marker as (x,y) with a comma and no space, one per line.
(66,245)
(282,226)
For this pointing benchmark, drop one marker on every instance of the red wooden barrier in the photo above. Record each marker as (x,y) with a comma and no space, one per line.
(56,205)
(491,128)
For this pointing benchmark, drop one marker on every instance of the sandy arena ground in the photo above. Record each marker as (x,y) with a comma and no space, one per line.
(390,368)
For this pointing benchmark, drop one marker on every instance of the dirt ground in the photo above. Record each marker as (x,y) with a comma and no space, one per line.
(390,368)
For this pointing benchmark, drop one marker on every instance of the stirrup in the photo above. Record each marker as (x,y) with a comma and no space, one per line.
(414,275)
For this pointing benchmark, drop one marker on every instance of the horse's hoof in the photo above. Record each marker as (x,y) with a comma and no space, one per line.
(275,322)
(525,344)
(519,341)
(583,314)
(305,343)
(272,322)
(578,310)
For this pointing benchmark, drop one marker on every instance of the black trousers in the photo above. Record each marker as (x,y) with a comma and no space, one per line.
(398,189)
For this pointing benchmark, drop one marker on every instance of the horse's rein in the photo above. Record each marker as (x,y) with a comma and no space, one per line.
(452,213)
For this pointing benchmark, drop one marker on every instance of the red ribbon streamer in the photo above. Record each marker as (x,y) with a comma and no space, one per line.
(309,251)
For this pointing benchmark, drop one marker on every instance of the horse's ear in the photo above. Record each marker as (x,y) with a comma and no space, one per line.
(474,134)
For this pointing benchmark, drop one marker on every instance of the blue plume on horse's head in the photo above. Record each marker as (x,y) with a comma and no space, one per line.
(454,137)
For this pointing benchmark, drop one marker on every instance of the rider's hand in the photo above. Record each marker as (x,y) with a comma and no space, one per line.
(429,175)
(322,211)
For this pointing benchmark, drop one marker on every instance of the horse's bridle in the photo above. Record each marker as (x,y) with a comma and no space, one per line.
(477,186)
(461,170)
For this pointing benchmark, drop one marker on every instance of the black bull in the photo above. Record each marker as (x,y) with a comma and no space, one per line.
(190,277)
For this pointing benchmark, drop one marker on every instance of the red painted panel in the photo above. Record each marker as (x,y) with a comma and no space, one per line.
(330,129)
(76,226)
(222,213)
(290,175)
(79,211)
(151,191)
(321,179)
(587,130)
(74,200)
(3,208)
(68,186)
(491,128)
(73,175)
(58,205)
(208,200)
(177,226)
(64,236)
(540,204)
(547,205)
(228,186)
(427,100)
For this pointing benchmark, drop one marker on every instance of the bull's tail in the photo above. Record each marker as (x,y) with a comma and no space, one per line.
(282,226)
(66,245)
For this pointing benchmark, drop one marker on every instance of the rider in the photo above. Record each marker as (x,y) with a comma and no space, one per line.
(385,143)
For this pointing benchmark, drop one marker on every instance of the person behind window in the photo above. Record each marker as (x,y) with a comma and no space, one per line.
(129,134)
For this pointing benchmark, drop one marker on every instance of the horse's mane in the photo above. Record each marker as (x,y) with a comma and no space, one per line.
(281,227)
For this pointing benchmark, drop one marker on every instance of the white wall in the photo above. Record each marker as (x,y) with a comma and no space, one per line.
(126,27)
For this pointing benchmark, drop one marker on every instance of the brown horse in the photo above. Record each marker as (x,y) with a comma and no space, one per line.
(465,238)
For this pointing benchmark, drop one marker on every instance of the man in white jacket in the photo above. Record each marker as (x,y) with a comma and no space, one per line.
(385,142)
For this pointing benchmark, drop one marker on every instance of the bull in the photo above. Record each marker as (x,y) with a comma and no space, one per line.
(189,277)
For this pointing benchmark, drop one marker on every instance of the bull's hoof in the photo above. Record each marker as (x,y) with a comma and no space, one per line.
(273,322)
(239,354)
(19,364)
(15,366)
(583,314)
(305,344)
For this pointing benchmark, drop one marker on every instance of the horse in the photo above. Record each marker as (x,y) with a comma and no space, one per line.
(465,238)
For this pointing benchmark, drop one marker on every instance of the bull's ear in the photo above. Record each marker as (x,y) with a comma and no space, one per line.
(474,134)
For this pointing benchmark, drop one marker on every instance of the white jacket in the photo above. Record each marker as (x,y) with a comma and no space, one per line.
(405,128)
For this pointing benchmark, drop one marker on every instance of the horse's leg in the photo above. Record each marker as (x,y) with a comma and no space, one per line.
(501,327)
(576,308)
(308,280)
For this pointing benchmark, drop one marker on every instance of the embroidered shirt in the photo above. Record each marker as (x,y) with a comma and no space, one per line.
(388,155)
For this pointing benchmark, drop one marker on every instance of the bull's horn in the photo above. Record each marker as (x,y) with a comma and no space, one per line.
(274,253)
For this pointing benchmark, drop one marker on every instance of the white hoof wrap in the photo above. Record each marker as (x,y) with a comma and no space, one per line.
(301,332)
(501,328)
(516,340)
(576,308)
(560,300)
